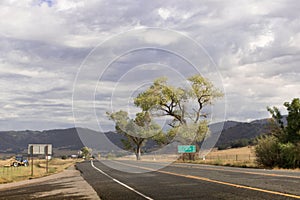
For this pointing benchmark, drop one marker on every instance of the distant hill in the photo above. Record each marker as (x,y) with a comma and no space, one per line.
(72,139)
(241,133)
(238,134)
(17,141)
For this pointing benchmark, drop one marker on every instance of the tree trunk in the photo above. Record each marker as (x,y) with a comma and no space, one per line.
(138,153)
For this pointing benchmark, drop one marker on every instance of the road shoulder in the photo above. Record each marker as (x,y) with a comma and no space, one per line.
(71,179)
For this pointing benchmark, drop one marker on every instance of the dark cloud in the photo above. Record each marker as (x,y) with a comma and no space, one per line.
(255,46)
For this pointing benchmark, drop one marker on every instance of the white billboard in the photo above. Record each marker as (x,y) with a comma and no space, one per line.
(40,149)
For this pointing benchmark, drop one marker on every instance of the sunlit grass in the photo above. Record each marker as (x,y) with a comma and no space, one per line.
(13,174)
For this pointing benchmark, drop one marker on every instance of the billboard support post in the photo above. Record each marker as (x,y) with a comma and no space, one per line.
(31,156)
(40,149)
(46,154)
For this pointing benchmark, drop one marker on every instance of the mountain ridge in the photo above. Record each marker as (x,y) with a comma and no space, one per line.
(73,139)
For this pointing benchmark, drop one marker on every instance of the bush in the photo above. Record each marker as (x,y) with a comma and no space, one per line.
(64,157)
(289,156)
(297,151)
(282,149)
(271,153)
(267,151)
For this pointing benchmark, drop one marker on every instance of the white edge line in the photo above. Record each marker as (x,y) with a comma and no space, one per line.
(119,182)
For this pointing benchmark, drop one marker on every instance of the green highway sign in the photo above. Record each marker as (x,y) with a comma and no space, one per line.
(186,148)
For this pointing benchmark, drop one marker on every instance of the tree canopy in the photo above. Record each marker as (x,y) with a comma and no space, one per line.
(183,105)
(136,130)
(86,152)
(290,132)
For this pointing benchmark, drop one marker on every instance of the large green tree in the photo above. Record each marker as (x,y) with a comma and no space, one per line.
(282,147)
(291,131)
(136,130)
(183,105)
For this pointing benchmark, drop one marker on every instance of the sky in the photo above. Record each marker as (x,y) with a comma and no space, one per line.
(51,49)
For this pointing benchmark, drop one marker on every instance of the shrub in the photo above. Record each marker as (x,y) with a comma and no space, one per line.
(271,153)
(282,148)
(289,156)
(267,151)
(297,151)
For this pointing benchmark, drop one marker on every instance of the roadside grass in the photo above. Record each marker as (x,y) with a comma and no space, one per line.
(233,151)
(13,174)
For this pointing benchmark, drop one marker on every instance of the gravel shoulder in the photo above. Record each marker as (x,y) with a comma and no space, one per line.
(68,184)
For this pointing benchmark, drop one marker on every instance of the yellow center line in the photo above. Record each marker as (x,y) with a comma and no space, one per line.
(244,172)
(215,181)
(229,170)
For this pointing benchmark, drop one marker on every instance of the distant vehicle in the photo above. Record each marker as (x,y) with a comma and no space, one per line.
(19,161)
(74,156)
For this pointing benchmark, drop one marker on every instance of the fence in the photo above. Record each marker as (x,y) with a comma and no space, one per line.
(9,170)
(232,157)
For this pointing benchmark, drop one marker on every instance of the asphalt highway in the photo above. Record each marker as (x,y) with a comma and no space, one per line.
(187,181)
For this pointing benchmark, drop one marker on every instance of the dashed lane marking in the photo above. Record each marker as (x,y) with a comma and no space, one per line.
(119,182)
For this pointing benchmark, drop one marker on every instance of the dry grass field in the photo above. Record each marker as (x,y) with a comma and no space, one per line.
(236,157)
(239,151)
(239,157)
(13,174)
